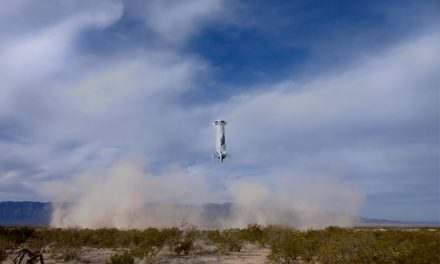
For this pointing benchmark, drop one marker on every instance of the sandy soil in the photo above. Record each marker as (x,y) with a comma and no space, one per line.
(249,254)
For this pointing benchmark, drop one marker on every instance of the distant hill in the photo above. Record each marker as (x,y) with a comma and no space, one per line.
(39,214)
(385,222)
(25,213)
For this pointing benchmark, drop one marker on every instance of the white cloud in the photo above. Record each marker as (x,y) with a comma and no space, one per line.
(371,123)
(73,110)
(176,21)
(34,52)
(397,88)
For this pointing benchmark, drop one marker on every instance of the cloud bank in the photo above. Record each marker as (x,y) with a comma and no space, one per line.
(84,85)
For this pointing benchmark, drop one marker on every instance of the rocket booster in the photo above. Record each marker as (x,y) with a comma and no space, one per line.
(220,139)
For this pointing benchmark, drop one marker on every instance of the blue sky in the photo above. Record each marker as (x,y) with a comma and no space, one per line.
(343,94)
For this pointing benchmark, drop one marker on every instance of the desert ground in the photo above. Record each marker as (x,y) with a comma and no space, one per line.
(254,244)
(249,254)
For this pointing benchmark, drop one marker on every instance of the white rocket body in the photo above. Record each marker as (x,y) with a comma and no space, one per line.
(220,140)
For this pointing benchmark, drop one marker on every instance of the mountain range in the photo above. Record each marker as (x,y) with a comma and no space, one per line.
(39,214)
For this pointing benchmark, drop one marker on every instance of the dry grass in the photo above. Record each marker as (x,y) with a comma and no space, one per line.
(276,244)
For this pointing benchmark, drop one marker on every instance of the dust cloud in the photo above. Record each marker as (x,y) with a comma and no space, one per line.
(127,195)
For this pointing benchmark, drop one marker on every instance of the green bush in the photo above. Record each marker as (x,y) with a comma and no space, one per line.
(287,245)
(418,247)
(342,245)
(125,258)
(71,254)
(184,247)
(3,249)
(147,243)
(185,244)
(253,233)
(146,253)
(228,240)
(342,250)
(288,248)
(272,233)
(153,237)
(312,240)
(16,235)
(172,236)
(231,240)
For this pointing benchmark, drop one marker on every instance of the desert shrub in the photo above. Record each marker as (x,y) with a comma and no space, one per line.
(172,236)
(147,243)
(288,248)
(113,238)
(99,238)
(287,245)
(16,235)
(38,243)
(186,242)
(127,238)
(153,237)
(355,246)
(125,258)
(231,244)
(418,247)
(64,238)
(231,240)
(347,248)
(191,233)
(212,235)
(227,240)
(184,246)
(360,246)
(108,237)
(3,249)
(253,233)
(71,254)
(337,250)
(272,233)
(145,253)
(312,240)
(332,245)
